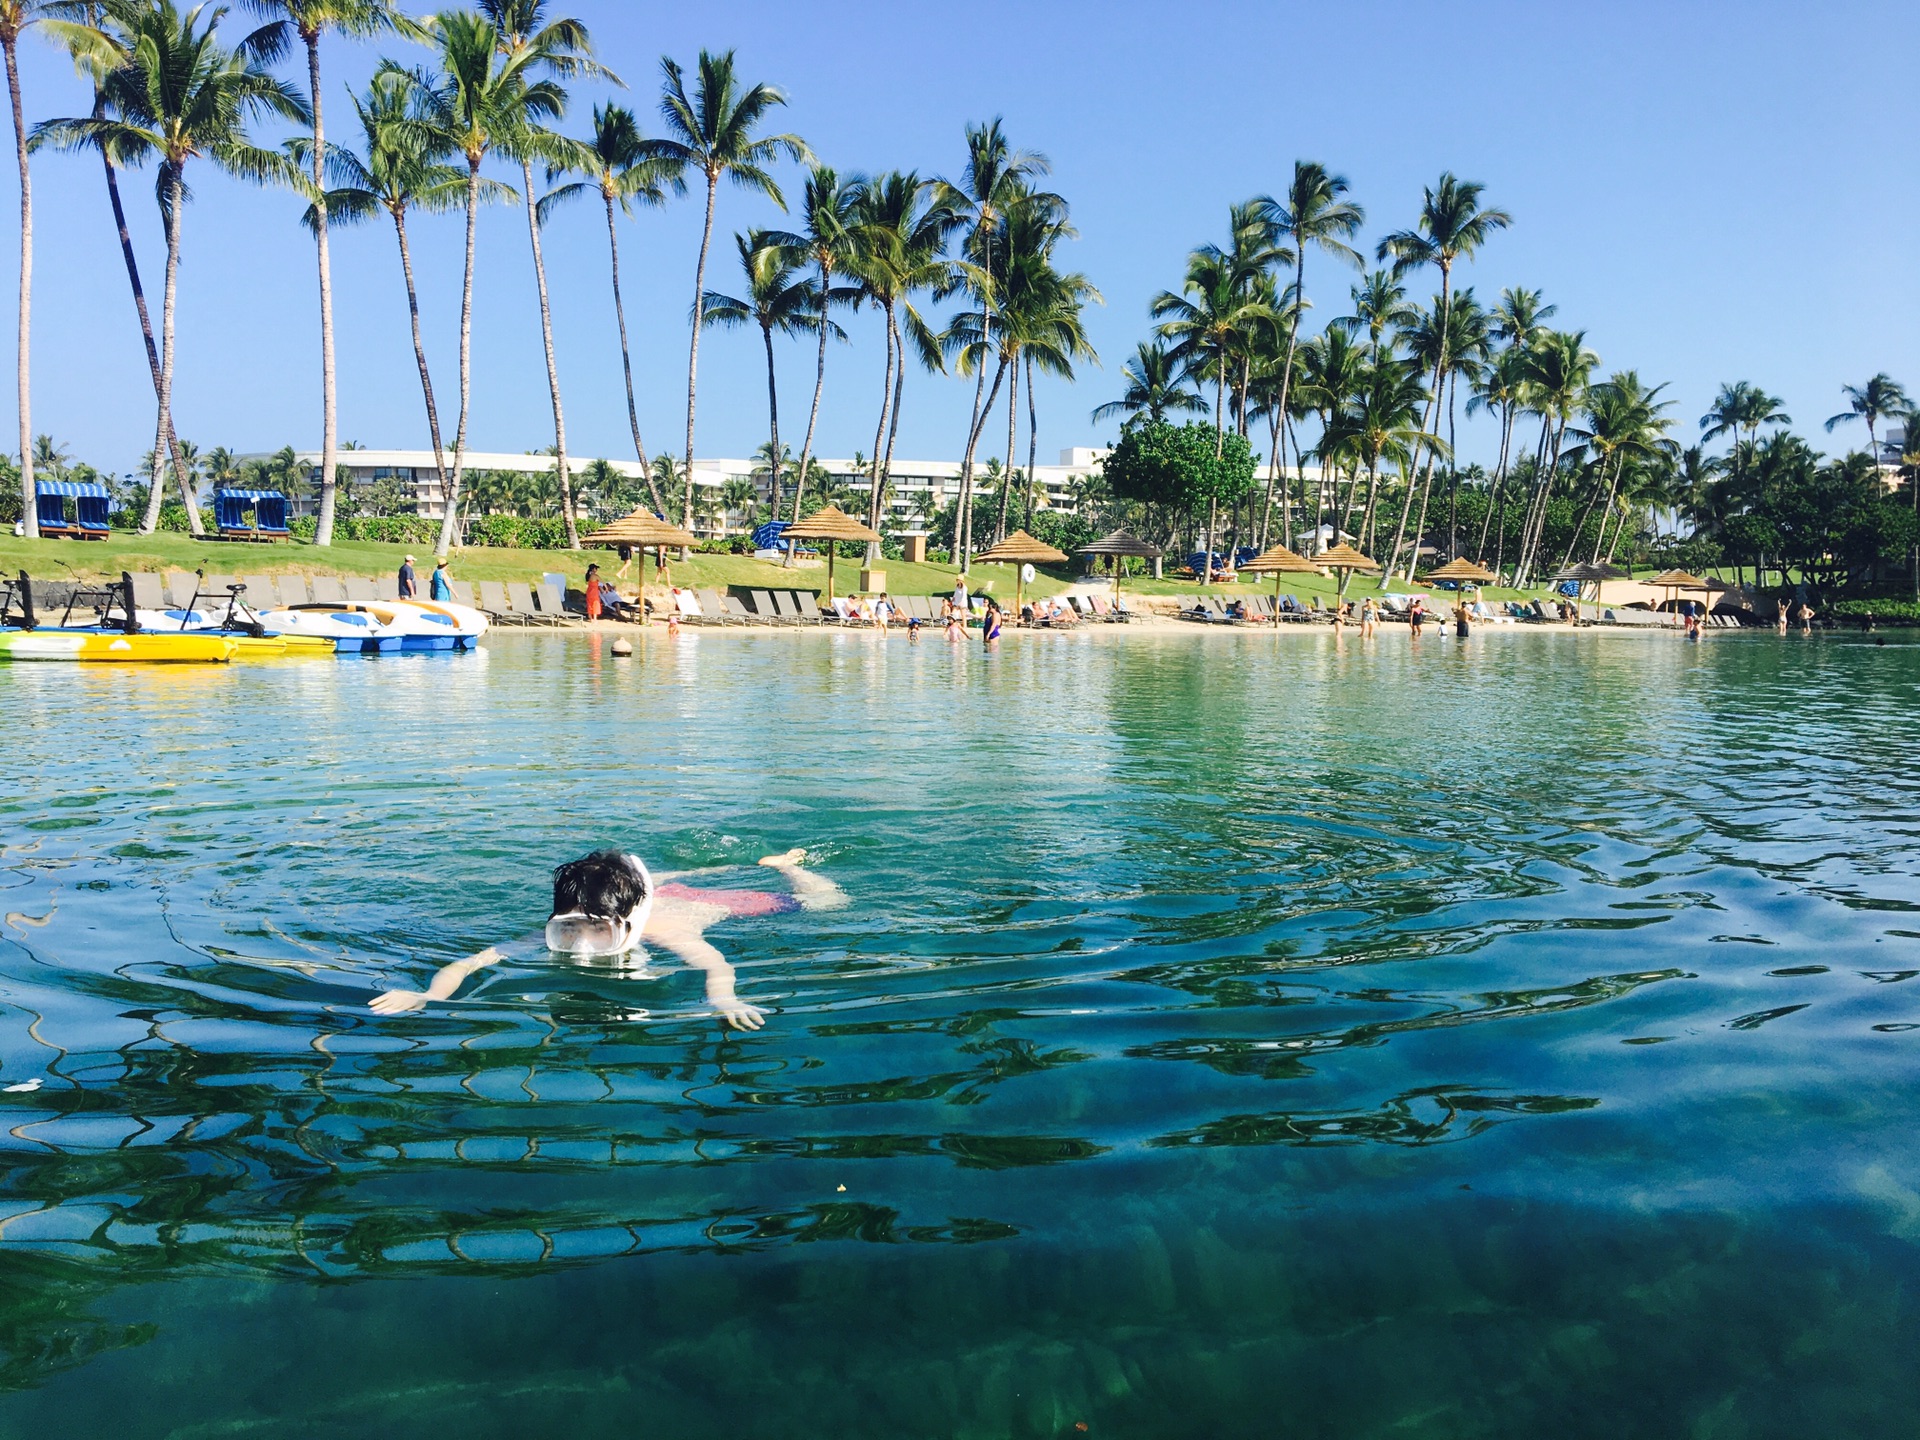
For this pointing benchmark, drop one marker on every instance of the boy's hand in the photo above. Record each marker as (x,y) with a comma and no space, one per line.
(397,1002)
(737,1013)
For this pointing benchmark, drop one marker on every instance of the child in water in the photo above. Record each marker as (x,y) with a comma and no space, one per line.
(606,903)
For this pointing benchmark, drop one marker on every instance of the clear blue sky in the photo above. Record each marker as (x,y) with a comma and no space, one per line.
(1712,191)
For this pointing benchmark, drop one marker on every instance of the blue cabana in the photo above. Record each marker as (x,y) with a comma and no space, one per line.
(269,513)
(90,504)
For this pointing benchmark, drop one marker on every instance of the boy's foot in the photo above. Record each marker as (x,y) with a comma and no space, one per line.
(786,861)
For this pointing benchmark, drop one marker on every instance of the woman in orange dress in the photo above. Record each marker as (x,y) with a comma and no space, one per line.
(593,592)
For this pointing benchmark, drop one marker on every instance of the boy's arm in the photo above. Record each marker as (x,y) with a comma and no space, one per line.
(691,946)
(445,981)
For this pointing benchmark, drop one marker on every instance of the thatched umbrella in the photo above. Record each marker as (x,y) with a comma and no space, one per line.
(1467,572)
(1344,558)
(1676,581)
(1020,549)
(644,531)
(1279,560)
(1121,543)
(830,523)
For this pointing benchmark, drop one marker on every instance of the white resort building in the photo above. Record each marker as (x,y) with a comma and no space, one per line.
(920,487)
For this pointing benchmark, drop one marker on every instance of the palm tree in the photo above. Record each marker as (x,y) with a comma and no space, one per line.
(180,94)
(1624,427)
(777,298)
(1155,387)
(1872,402)
(1739,407)
(15,17)
(481,97)
(309,20)
(899,235)
(713,131)
(828,210)
(1452,225)
(618,167)
(1560,366)
(738,497)
(95,33)
(558,49)
(1330,368)
(996,176)
(402,168)
(1312,214)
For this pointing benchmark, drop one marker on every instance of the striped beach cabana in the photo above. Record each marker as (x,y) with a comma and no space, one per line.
(90,502)
(269,508)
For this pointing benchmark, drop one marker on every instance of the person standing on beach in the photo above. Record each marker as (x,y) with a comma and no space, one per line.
(1369,619)
(626,562)
(1416,615)
(1462,621)
(593,592)
(960,596)
(439,587)
(408,589)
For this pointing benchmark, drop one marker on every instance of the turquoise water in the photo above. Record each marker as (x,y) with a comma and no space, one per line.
(1229,1034)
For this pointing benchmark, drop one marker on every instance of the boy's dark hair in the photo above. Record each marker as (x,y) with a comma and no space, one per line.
(606,883)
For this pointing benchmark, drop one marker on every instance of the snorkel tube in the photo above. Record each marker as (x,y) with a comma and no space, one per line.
(579,933)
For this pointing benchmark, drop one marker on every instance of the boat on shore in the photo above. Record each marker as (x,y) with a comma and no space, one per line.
(419,624)
(118,647)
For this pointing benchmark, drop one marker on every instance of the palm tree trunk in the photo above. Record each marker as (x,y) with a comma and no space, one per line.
(963,519)
(175,199)
(819,384)
(329,415)
(773,421)
(879,438)
(1286,380)
(1499,483)
(1299,483)
(899,388)
(420,351)
(1033,443)
(693,351)
(1006,475)
(165,436)
(1607,510)
(626,364)
(1273,477)
(29,506)
(451,517)
(553,370)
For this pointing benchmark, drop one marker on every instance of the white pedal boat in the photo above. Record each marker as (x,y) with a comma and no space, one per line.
(420,624)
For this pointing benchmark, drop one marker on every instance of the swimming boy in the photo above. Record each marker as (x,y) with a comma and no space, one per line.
(606,903)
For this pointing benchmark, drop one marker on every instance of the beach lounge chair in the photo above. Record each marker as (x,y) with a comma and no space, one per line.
(360,588)
(260,591)
(764,608)
(521,596)
(550,600)
(291,590)
(787,607)
(387,587)
(809,607)
(327,590)
(493,602)
(713,610)
(736,611)
(462,592)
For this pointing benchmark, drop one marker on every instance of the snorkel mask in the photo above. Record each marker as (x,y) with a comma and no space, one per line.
(578,933)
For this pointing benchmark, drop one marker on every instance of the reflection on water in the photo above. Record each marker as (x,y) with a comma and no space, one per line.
(1448,1039)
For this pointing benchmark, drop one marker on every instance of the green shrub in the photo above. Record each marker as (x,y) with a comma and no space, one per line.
(1887,611)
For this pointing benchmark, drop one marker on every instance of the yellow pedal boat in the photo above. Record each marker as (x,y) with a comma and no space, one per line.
(111,647)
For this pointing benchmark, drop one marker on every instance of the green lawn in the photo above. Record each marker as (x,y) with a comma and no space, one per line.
(92,560)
